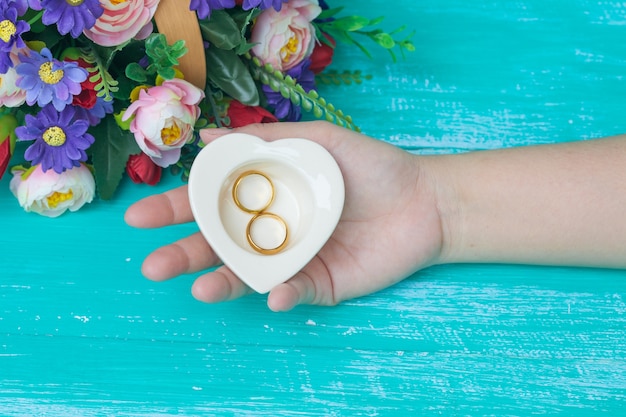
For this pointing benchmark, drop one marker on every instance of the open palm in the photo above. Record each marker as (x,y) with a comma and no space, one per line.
(389,227)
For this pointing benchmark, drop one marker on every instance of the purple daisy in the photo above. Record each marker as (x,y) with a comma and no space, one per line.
(23,5)
(11,30)
(48,80)
(60,139)
(203,8)
(284,109)
(95,114)
(71,16)
(263,4)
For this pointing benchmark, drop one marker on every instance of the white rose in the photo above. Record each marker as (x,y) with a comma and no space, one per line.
(51,194)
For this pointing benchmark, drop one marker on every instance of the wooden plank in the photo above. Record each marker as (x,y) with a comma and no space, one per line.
(82,333)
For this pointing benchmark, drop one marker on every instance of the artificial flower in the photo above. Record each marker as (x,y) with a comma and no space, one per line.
(285,38)
(10,94)
(94,115)
(48,80)
(142,170)
(122,21)
(164,117)
(7,140)
(51,194)
(11,30)
(262,4)
(322,55)
(88,95)
(204,8)
(23,5)
(284,108)
(5,154)
(242,115)
(71,16)
(99,67)
(60,139)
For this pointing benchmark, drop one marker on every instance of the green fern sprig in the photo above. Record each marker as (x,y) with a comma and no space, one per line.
(290,89)
(106,85)
(344,28)
(346,77)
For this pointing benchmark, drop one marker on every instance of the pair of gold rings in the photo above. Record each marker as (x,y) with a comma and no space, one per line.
(258,198)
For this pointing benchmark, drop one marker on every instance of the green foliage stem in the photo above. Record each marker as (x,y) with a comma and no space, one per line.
(162,57)
(343,30)
(289,88)
(346,77)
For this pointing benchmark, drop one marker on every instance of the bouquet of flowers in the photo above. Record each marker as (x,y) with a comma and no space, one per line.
(93,89)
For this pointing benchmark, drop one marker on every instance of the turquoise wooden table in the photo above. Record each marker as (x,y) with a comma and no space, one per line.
(83,334)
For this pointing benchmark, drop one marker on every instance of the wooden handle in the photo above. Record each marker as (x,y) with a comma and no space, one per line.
(174,19)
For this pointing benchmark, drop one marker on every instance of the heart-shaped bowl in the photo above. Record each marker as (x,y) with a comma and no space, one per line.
(308,195)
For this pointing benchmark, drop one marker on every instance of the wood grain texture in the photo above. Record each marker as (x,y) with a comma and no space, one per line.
(83,334)
(180,23)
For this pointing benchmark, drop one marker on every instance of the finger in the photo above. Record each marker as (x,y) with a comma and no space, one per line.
(171,207)
(219,285)
(324,133)
(187,255)
(312,285)
(298,290)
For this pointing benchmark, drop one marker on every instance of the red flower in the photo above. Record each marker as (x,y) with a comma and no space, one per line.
(141,169)
(242,115)
(5,155)
(322,55)
(87,97)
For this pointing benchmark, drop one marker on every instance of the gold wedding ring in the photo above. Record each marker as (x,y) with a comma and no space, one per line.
(255,245)
(257,202)
(250,176)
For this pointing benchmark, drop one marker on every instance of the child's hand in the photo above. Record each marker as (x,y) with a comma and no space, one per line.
(390,226)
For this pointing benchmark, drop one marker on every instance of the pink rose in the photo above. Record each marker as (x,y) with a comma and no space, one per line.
(285,38)
(51,194)
(122,21)
(164,119)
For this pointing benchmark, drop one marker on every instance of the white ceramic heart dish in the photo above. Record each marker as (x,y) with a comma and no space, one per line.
(308,195)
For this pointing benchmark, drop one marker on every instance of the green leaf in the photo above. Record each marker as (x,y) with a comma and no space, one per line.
(167,73)
(50,37)
(244,17)
(295,98)
(221,30)
(307,105)
(377,21)
(328,13)
(109,154)
(285,91)
(385,40)
(135,72)
(350,23)
(162,55)
(226,70)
